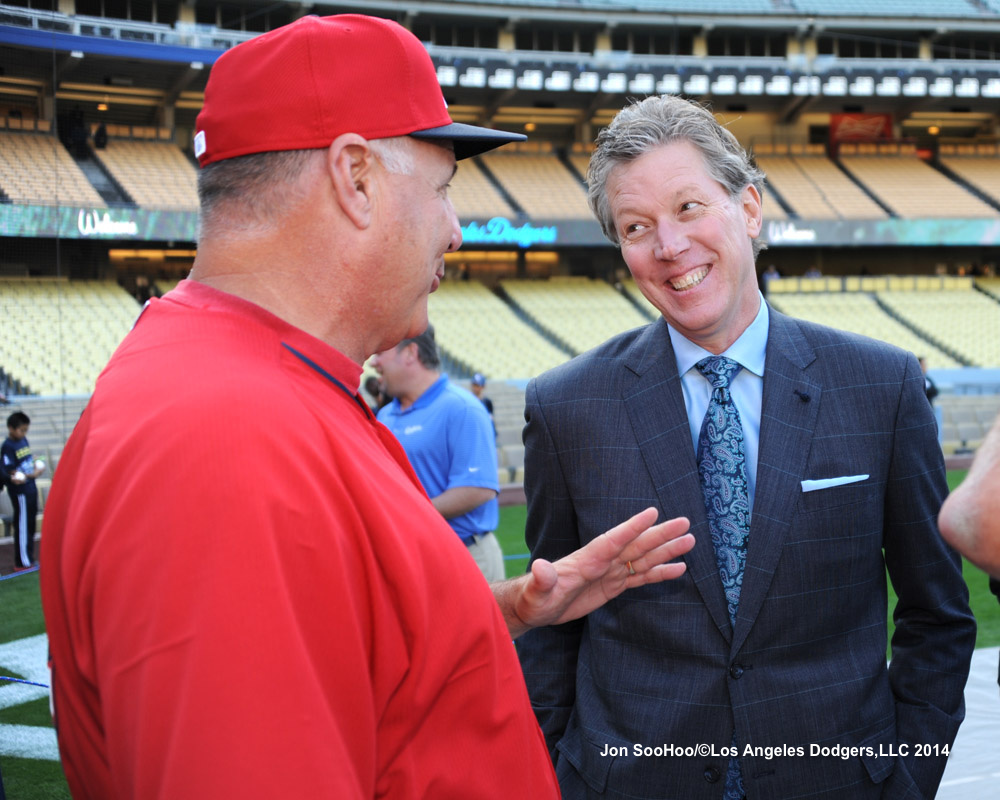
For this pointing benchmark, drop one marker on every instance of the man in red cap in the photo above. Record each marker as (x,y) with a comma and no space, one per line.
(246,591)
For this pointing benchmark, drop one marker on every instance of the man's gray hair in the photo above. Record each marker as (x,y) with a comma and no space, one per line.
(656,121)
(260,185)
(396,154)
(427,350)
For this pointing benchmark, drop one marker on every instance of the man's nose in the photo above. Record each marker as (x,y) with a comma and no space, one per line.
(671,241)
(456,230)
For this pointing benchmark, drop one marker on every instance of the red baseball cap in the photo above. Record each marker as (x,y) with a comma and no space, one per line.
(301,86)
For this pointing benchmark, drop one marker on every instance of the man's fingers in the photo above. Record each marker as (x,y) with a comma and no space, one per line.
(545,575)
(639,545)
(670,533)
(661,572)
(659,556)
(628,531)
(638,534)
(676,545)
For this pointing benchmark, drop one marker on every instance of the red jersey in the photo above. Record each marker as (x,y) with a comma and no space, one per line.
(248,594)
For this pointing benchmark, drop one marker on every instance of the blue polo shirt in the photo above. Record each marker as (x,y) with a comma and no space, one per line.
(448,437)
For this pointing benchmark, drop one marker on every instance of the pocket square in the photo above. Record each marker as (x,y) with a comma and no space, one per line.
(828,483)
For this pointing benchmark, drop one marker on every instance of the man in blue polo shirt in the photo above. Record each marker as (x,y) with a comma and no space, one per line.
(448,437)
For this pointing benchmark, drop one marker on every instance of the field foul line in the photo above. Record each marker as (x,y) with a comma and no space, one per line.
(29,658)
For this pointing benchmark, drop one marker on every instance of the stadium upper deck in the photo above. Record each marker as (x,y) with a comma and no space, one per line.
(561,66)
(783,74)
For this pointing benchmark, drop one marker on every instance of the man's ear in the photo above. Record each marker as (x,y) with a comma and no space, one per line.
(351,165)
(410,353)
(752,209)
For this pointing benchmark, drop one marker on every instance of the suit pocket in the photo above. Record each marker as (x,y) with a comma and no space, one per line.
(836,496)
(874,750)
(585,756)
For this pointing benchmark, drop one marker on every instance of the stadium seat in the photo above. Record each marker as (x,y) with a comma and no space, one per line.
(35,169)
(914,189)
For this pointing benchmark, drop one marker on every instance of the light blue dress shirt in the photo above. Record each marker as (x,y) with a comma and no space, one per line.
(747,388)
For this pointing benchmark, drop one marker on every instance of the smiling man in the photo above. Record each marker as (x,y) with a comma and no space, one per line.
(807,461)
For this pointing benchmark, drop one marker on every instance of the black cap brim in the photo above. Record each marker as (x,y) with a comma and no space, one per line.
(470,140)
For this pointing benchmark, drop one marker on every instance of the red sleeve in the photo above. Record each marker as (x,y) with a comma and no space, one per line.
(232,629)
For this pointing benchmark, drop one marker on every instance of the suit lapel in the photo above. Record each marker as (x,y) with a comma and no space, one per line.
(655,404)
(789,411)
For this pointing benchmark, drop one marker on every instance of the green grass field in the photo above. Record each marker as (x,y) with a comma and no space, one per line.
(34,779)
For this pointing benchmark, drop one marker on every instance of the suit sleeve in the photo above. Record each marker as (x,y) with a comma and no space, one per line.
(548,655)
(935,630)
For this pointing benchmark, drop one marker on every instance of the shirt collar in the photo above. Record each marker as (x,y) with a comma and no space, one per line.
(748,350)
(425,399)
(304,345)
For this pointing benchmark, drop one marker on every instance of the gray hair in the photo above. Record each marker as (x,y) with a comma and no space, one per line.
(260,185)
(656,121)
(427,350)
(396,154)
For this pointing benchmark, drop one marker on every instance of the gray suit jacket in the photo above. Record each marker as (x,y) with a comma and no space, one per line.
(661,667)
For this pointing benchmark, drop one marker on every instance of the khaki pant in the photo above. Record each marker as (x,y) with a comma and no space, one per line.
(485,549)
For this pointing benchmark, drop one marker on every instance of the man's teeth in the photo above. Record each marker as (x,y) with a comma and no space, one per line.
(689,280)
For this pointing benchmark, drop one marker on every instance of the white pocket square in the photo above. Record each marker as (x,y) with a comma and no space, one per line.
(827,483)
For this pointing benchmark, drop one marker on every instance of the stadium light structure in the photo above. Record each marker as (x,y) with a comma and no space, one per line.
(942,87)
(889,86)
(669,84)
(862,86)
(531,79)
(614,83)
(835,86)
(915,86)
(806,86)
(587,82)
(559,81)
(752,85)
(642,83)
(474,77)
(779,86)
(724,85)
(696,84)
(967,87)
(447,75)
(502,78)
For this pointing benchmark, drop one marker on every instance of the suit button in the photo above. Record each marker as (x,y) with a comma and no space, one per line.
(712,774)
(736,671)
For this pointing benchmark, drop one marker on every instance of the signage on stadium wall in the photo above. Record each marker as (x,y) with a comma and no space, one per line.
(860,127)
(787,232)
(504,232)
(94,223)
(898,232)
(73,222)
(136,224)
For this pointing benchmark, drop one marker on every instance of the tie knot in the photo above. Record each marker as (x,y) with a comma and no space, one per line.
(718,370)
